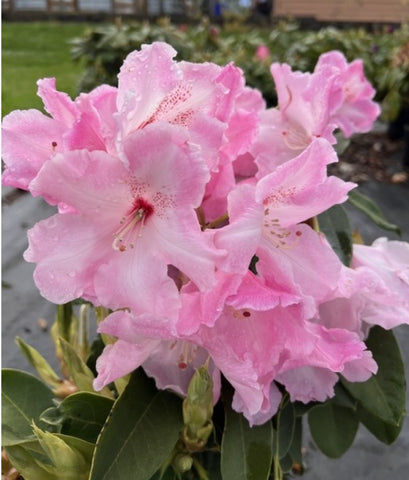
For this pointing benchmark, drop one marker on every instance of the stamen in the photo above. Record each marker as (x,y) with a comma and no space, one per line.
(131,225)
(187,355)
(279,236)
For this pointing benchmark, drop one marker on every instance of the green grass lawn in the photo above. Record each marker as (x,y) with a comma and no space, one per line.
(33,50)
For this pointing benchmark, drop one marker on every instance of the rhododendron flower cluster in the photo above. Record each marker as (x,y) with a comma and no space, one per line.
(187,207)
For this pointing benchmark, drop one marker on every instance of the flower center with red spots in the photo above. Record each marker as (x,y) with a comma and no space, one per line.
(131,225)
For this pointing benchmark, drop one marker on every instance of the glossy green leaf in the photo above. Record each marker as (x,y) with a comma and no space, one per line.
(371,210)
(334,223)
(24,398)
(247,452)
(81,415)
(384,394)
(39,363)
(333,428)
(384,432)
(343,398)
(140,433)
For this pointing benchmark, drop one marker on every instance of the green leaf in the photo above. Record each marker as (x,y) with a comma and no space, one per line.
(384,394)
(301,408)
(70,457)
(371,210)
(286,427)
(343,398)
(247,452)
(25,459)
(391,105)
(39,363)
(333,428)
(295,449)
(24,398)
(334,223)
(140,434)
(80,415)
(80,373)
(64,320)
(168,474)
(52,457)
(286,463)
(384,432)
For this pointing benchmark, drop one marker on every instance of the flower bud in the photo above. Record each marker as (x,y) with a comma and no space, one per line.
(182,463)
(198,410)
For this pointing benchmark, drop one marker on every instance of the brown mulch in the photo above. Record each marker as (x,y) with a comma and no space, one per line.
(370,156)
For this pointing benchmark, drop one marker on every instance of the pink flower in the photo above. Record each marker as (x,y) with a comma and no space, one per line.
(204,98)
(210,101)
(351,107)
(170,361)
(129,224)
(375,291)
(30,138)
(384,292)
(313,105)
(262,52)
(253,343)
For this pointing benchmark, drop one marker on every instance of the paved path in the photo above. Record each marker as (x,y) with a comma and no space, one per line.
(22,306)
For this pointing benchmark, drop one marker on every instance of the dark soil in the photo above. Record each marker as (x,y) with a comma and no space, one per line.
(370,156)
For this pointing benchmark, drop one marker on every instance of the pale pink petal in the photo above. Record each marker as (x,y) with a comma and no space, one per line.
(303,100)
(300,188)
(146,76)
(119,359)
(169,360)
(29,139)
(221,183)
(386,264)
(258,405)
(93,183)
(241,237)
(133,327)
(203,308)
(307,383)
(58,104)
(271,148)
(343,313)
(173,363)
(67,250)
(159,155)
(103,100)
(360,370)
(141,281)
(256,294)
(86,132)
(352,106)
(301,262)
